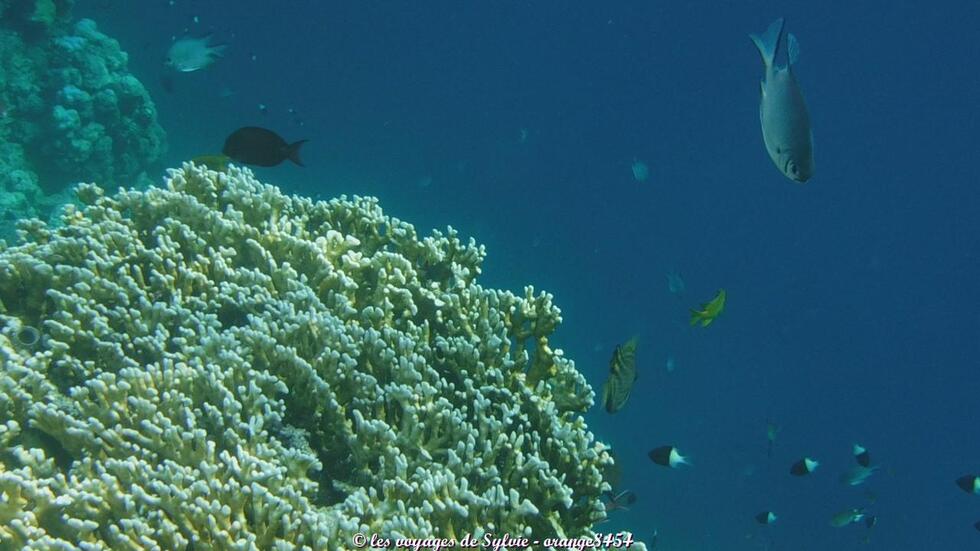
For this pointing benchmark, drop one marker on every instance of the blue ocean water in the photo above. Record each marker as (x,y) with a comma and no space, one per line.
(852,311)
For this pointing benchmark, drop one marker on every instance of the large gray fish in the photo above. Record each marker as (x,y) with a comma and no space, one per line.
(782,111)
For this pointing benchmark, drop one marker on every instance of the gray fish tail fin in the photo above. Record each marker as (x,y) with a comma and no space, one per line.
(768,43)
(292,152)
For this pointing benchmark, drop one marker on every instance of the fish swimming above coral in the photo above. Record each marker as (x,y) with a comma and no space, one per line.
(192,54)
(622,375)
(782,110)
(218,163)
(709,310)
(253,145)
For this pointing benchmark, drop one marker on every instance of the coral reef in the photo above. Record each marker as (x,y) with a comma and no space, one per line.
(39,14)
(222,366)
(69,110)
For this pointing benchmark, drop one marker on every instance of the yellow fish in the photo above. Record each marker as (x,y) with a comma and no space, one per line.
(709,310)
(218,163)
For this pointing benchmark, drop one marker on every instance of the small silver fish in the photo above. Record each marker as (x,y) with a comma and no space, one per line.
(640,170)
(858,474)
(782,110)
(847,516)
(192,54)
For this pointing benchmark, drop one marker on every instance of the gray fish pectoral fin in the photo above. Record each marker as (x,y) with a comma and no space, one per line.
(793,48)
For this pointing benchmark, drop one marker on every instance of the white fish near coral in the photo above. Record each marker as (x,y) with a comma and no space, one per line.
(640,171)
(192,54)
(671,364)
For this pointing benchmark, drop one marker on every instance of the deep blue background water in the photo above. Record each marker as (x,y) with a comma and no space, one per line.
(853,300)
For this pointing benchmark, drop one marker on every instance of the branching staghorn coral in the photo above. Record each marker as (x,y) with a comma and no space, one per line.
(226,367)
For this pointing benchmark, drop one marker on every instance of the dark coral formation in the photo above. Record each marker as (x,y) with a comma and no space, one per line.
(70,110)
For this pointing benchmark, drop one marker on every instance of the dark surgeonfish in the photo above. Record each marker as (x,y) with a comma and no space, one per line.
(622,375)
(252,145)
